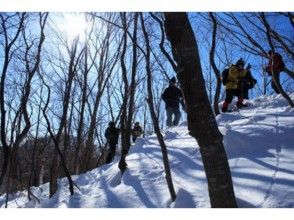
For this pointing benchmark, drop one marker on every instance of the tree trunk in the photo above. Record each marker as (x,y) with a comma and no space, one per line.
(274,74)
(6,61)
(124,143)
(154,117)
(201,122)
(215,69)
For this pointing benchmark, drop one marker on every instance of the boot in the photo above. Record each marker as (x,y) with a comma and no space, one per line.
(240,103)
(225,107)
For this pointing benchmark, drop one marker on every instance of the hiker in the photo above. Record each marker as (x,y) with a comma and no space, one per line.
(232,78)
(276,65)
(111,135)
(172,96)
(248,82)
(137,131)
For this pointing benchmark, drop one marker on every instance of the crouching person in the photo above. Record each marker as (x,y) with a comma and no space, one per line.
(137,131)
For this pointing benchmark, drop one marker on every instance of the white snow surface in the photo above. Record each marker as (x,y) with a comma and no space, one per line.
(259,141)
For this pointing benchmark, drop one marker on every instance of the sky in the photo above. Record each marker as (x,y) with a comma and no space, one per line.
(142,5)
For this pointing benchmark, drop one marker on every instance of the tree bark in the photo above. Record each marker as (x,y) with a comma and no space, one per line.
(124,145)
(7,59)
(201,122)
(215,69)
(154,116)
(274,74)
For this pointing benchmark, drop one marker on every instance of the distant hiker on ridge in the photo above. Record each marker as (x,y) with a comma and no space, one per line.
(276,65)
(172,96)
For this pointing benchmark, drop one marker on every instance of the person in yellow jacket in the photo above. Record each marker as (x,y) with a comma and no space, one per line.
(232,79)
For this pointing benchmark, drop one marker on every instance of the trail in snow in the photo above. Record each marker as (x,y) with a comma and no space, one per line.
(259,141)
(276,169)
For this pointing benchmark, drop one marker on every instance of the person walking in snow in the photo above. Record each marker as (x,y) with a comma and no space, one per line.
(247,83)
(232,78)
(275,65)
(111,134)
(172,96)
(137,131)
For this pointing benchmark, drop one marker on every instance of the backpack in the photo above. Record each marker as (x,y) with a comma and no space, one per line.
(252,83)
(225,75)
(282,64)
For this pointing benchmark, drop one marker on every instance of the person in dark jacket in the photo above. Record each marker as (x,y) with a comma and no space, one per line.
(137,131)
(172,96)
(276,65)
(111,134)
(247,83)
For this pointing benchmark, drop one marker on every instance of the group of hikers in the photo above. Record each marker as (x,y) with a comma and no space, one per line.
(112,134)
(237,80)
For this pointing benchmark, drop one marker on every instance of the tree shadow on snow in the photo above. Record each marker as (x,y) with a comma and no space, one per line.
(184,200)
(113,200)
(244,204)
(133,181)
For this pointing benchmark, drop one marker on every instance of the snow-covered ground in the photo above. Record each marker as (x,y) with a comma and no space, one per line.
(259,142)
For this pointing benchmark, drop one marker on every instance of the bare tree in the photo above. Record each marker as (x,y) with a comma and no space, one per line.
(72,70)
(32,49)
(154,116)
(104,69)
(214,67)
(274,74)
(9,42)
(129,92)
(201,122)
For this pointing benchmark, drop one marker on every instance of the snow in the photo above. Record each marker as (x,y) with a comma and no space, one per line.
(259,141)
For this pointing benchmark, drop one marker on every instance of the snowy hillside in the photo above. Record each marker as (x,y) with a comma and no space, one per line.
(259,141)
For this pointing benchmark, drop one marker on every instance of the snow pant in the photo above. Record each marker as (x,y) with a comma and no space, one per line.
(230,93)
(169,115)
(111,151)
(134,138)
(274,87)
(245,92)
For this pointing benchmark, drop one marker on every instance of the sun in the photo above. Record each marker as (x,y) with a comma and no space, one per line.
(74,25)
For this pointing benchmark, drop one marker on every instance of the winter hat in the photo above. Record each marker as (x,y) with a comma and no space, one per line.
(111,124)
(240,62)
(172,80)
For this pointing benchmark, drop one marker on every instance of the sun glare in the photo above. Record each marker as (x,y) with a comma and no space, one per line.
(74,25)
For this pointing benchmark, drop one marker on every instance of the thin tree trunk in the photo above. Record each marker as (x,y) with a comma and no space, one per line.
(7,58)
(154,117)
(21,135)
(201,122)
(33,162)
(72,69)
(133,84)
(215,69)
(124,148)
(80,144)
(274,74)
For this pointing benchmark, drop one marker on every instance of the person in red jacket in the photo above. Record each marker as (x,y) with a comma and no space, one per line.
(275,65)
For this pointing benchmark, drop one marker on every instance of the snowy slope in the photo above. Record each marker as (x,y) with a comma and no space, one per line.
(259,141)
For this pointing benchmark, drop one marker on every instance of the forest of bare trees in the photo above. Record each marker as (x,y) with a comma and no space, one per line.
(60,89)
